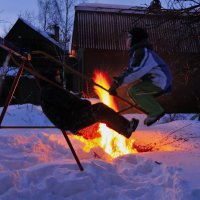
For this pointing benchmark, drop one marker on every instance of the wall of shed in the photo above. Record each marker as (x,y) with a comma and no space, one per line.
(185,95)
(110,62)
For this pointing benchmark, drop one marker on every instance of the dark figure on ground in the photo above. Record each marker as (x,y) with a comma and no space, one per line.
(149,73)
(70,113)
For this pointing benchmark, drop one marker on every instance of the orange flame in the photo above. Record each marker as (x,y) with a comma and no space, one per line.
(101,79)
(113,143)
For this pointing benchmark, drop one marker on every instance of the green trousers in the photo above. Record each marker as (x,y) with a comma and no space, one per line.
(143,94)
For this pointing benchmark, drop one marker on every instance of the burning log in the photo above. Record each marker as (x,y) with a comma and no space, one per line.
(143,148)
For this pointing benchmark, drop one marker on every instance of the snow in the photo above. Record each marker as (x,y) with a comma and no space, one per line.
(101,5)
(12,71)
(8,71)
(38,164)
(110,8)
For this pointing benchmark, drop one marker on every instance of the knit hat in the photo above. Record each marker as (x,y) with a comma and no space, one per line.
(138,34)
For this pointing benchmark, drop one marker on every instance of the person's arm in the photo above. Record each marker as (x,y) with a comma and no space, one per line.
(135,61)
(140,64)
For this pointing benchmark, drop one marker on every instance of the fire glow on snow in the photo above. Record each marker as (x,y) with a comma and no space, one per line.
(38,164)
(112,142)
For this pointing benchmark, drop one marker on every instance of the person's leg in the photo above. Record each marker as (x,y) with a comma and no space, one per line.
(114,120)
(99,112)
(143,95)
(83,118)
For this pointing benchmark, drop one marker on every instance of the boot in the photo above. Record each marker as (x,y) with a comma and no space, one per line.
(131,127)
(150,120)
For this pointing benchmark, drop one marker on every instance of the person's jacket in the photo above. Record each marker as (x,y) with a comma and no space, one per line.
(145,64)
(63,109)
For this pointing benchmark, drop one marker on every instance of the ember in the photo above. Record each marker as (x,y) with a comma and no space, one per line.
(99,134)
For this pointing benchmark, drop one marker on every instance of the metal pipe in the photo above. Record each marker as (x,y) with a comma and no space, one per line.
(21,127)
(73,151)
(11,93)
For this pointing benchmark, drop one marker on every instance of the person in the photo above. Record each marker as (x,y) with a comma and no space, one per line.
(149,74)
(69,112)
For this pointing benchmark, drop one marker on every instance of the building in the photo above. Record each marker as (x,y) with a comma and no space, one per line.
(99,36)
(27,38)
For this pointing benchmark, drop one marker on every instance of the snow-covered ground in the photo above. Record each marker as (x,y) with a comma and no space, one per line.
(38,164)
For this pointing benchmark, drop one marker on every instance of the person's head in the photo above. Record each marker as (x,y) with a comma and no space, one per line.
(53,75)
(136,35)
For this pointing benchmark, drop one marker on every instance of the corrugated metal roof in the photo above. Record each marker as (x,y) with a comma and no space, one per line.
(105,27)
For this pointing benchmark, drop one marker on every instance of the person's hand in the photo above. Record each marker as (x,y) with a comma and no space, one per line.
(113,89)
(112,92)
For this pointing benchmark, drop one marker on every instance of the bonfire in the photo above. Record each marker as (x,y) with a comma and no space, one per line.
(99,135)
